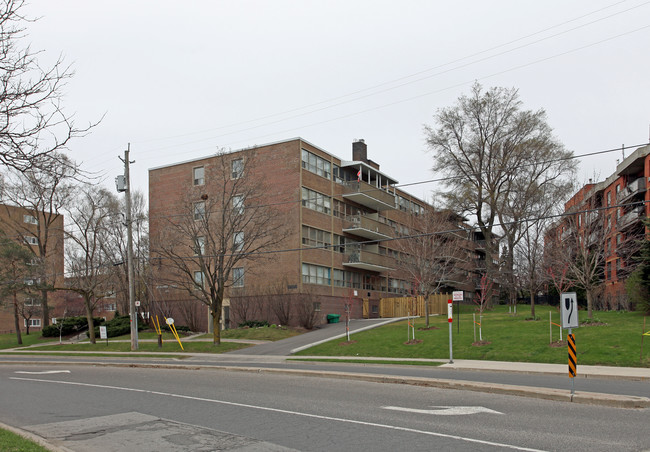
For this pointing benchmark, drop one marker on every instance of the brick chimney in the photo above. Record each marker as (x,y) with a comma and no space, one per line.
(360,151)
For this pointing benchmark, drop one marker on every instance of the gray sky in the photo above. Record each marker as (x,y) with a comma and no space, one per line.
(180,79)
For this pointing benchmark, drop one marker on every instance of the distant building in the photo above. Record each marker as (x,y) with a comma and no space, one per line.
(621,203)
(350,208)
(23,226)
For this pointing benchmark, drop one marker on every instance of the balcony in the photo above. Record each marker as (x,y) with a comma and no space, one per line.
(632,217)
(634,188)
(366,260)
(367,227)
(368,195)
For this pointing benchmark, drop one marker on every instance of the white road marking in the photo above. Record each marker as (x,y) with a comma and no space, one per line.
(277,410)
(43,372)
(445,410)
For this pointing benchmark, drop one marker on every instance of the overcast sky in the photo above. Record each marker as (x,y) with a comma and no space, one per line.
(179,80)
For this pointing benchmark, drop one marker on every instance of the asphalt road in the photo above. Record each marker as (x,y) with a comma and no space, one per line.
(86,408)
(618,386)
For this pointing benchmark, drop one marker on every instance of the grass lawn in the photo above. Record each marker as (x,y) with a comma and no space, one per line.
(10,341)
(615,342)
(10,442)
(265,333)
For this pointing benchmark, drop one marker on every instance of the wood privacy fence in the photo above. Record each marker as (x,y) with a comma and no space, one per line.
(401,307)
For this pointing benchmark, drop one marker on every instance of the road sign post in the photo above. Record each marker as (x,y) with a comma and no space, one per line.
(450,318)
(569,312)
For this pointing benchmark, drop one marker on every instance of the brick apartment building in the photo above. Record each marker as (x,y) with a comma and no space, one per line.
(351,209)
(23,226)
(623,201)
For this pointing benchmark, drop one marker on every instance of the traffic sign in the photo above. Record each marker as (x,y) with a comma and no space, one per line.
(573,361)
(457,295)
(450,311)
(569,310)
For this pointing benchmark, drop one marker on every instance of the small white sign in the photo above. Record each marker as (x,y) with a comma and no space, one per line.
(450,311)
(102,332)
(569,310)
(137,303)
(457,295)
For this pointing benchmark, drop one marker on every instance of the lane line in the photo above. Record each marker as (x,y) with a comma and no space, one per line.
(277,410)
(42,372)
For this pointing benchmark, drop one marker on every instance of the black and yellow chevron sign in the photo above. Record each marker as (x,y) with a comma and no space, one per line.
(573,361)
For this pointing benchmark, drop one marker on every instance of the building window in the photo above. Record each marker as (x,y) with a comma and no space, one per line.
(199,210)
(33,323)
(32,302)
(237,168)
(198,278)
(315,274)
(199,175)
(110,307)
(238,277)
(238,204)
(316,306)
(609,198)
(31,219)
(31,240)
(238,241)
(315,164)
(315,237)
(199,246)
(316,201)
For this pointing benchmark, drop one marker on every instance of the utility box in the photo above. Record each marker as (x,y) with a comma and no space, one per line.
(120,183)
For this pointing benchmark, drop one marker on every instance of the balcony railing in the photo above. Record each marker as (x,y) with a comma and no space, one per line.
(364,226)
(631,189)
(368,195)
(630,218)
(366,260)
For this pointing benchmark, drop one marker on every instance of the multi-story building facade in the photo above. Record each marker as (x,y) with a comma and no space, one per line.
(611,212)
(342,218)
(25,228)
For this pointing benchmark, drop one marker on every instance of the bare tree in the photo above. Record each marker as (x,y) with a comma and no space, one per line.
(117,245)
(529,258)
(43,193)
(87,259)
(33,124)
(14,273)
(280,303)
(219,232)
(307,311)
(431,254)
(484,143)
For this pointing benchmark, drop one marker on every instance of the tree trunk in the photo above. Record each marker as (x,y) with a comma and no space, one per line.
(216,328)
(426,310)
(590,303)
(532,305)
(17,320)
(91,325)
(46,309)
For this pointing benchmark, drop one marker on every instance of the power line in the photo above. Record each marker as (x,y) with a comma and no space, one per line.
(428,181)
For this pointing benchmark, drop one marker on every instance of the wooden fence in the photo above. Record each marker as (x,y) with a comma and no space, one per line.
(401,307)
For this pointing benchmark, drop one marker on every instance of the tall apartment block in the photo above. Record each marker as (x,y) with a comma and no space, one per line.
(623,200)
(342,217)
(22,226)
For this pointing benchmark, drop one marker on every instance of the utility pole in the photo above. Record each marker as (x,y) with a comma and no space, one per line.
(126,187)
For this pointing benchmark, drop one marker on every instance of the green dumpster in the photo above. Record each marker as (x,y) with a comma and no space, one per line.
(333,318)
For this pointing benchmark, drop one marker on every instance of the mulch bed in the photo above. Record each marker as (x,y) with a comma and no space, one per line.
(413,342)
(347,343)
(481,343)
(557,344)
(430,328)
